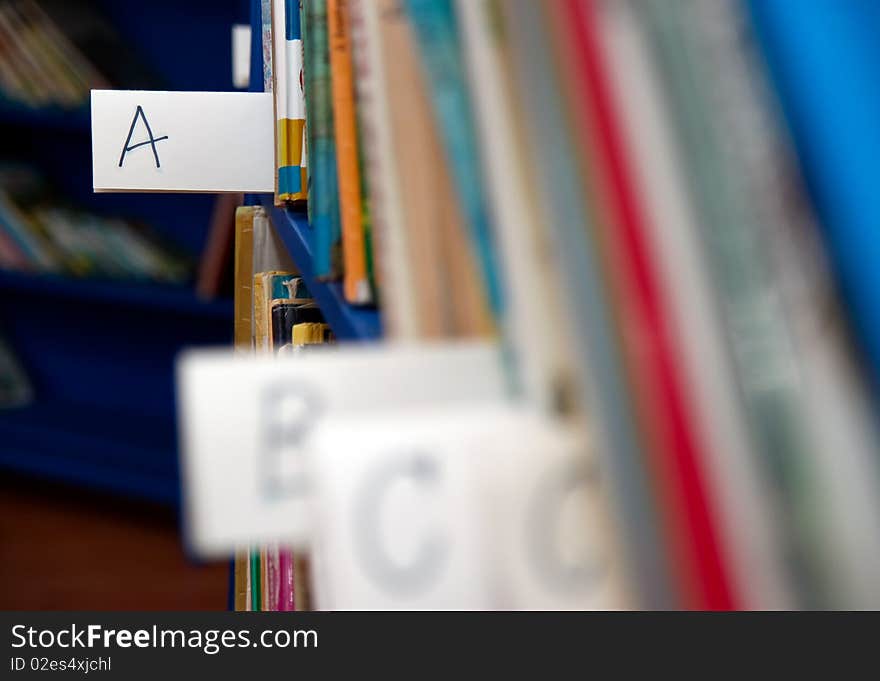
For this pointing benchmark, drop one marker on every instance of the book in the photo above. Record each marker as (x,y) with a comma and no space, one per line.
(400,309)
(291,180)
(284,315)
(355,279)
(766,369)
(772,206)
(825,64)
(268,287)
(243,300)
(309,333)
(435,26)
(266,43)
(675,447)
(542,362)
(323,204)
(16,389)
(747,518)
(632,537)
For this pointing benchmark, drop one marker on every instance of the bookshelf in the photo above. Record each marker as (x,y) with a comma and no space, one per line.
(139,295)
(100,353)
(347,321)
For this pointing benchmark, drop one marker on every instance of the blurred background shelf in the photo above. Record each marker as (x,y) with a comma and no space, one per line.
(348,322)
(166,297)
(76,120)
(106,449)
(100,353)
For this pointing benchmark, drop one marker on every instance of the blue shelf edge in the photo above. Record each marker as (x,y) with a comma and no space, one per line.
(160,297)
(348,322)
(85,449)
(71,120)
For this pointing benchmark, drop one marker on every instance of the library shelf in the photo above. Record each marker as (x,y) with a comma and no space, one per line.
(138,295)
(349,322)
(100,448)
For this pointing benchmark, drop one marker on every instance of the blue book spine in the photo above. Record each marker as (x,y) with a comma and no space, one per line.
(323,184)
(825,60)
(435,26)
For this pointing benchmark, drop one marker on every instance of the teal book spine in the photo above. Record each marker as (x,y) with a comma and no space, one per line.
(324,217)
(435,26)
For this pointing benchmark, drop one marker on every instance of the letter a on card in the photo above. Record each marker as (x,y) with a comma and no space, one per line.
(128,146)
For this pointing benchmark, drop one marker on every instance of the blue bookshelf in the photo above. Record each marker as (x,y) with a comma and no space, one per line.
(98,448)
(100,353)
(347,321)
(178,299)
(76,120)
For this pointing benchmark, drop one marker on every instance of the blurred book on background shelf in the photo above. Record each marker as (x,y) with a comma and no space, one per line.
(39,233)
(15,387)
(53,52)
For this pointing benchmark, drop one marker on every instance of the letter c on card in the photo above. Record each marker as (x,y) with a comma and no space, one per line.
(543,515)
(396,579)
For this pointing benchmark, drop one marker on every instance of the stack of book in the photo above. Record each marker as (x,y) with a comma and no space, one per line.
(608,187)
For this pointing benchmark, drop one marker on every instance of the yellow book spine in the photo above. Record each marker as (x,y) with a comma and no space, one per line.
(244,273)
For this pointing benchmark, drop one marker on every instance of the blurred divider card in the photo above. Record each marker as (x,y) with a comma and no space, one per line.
(182,141)
(488,506)
(406,472)
(247,424)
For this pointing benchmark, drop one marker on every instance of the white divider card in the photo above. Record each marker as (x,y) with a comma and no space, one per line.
(469,507)
(395,517)
(182,141)
(543,518)
(246,424)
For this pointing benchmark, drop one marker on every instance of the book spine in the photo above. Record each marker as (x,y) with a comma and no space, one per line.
(266,43)
(754,322)
(678,455)
(400,310)
(323,189)
(355,280)
(290,114)
(435,26)
(555,175)
(243,301)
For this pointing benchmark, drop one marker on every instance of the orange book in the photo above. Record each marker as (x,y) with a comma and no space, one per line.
(356,282)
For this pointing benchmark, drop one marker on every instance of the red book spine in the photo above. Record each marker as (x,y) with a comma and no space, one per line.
(656,376)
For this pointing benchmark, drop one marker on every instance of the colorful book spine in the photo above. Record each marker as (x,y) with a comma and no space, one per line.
(291,182)
(266,43)
(435,25)
(676,451)
(243,300)
(389,234)
(355,278)
(323,182)
(286,601)
(555,176)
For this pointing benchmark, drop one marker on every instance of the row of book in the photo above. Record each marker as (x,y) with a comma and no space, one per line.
(609,187)
(41,234)
(53,53)
(274,313)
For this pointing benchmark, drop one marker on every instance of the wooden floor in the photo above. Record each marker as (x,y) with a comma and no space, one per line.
(65,549)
